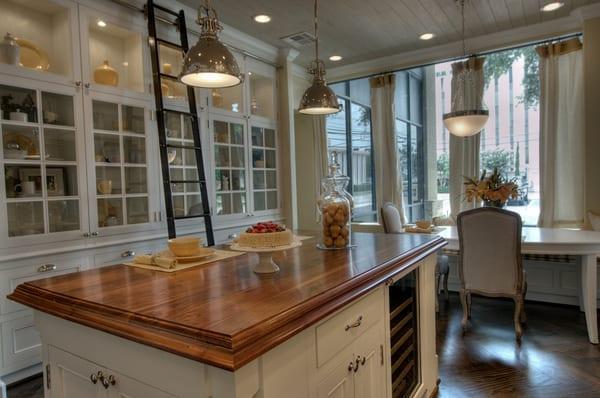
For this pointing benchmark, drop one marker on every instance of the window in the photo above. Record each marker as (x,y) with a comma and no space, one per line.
(510,140)
(349,135)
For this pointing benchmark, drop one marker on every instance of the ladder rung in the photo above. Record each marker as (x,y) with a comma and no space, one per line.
(169,44)
(183,146)
(191,216)
(169,77)
(164,9)
(186,182)
(180,112)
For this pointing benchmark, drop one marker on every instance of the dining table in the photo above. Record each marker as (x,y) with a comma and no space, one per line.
(558,241)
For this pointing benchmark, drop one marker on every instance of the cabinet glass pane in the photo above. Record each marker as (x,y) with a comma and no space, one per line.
(237,134)
(61,180)
(172,60)
(190,157)
(259,201)
(237,157)
(110,212)
(173,124)
(175,156)
(179,206)
(261,96)
(270,138)
(257,136)
(187,128)
(135,180)
(108,180)
(258,158)
(44,35)
(176,175)
(115,55)
(222,179)
(259,180)
(271,161)
(20,142)
(57,109)
(192,188)
(271,200)
(191,174)
(238,180)
(23,181)
(239,202)
(25,218)
(134,150)
(230,99)
(171,88)
(221,133)
(221,156)
(137,210)
(271,179)
(63,215)
(60,145)
(224,203)
(18,104)
(194,205)
(107,148)
(106,116)
(133,119)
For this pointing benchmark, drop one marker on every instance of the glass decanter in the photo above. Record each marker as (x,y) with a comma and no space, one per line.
(335,206)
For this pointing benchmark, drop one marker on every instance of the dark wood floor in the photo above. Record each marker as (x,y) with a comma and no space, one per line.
(554,359)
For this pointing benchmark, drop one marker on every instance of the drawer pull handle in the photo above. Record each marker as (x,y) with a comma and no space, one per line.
(356,364)
(128,253)
(46,268)
(108,381)
(355,324)
(93,378)
(350,366)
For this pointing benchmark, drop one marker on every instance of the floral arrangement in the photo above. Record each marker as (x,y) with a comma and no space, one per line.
(493,189)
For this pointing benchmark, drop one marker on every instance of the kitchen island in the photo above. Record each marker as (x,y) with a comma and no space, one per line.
(318,328)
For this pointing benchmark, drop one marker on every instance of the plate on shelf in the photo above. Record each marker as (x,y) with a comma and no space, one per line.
(202,253)
(36,157)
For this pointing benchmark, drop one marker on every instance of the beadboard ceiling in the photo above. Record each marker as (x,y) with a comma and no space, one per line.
(360,30)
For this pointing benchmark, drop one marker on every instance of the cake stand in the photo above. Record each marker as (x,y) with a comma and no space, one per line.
(265,263)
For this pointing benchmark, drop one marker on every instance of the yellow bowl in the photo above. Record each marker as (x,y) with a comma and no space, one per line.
(423,224)
(185,246)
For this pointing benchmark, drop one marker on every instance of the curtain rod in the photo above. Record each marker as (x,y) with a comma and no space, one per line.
(126,4)
(450,59)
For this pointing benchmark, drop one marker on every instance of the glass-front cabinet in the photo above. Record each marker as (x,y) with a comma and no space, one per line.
(42,161)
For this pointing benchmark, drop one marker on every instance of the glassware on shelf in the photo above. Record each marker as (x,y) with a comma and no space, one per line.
(335,206)
(106,75)
(10,51)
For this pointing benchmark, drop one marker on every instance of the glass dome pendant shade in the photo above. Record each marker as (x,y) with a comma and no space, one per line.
(318,99)
(466,123)
(209,64)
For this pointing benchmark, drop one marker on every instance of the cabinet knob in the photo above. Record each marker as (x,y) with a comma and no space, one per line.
(94,378)
(78,84)
(94,234)
(46,268)
(357,363)
(350,366)
(128,253)
(86,234)
(87,85)
(108,381)
(354,324)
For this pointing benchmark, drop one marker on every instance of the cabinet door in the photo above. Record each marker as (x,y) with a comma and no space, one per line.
(123,156)
(70,376)
(369,380)
(340,383)
(263,165)
(126,387)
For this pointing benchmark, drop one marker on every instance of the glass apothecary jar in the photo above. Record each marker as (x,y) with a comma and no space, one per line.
(335,206)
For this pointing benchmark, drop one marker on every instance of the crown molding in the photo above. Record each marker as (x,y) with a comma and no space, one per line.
(492,41)
(587,12)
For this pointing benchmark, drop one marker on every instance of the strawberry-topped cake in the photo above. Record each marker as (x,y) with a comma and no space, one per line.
(265,235)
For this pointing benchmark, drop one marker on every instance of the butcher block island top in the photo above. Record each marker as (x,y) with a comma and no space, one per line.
(223,314)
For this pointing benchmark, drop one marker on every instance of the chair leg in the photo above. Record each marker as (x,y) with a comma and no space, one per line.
(518,310)
(446,286)
(523,316)
(469,302)
(437,291)
(463,301)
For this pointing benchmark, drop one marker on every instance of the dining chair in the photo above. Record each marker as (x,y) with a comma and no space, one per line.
(392,224)
(490,262)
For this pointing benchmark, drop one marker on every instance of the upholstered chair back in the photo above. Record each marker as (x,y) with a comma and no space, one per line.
(490,251)
(390,216)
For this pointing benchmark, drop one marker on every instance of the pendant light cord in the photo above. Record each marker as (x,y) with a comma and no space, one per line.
(462,13)
(317,30)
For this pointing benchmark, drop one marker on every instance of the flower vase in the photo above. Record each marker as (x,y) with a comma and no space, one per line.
(493,203)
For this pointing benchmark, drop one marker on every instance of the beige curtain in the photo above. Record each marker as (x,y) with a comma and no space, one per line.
(464,152)
(562,148)
(388,178)
(321,156)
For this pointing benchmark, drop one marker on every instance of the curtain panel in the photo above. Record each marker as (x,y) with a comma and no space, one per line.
(388,177)
(464,152)
(562,135)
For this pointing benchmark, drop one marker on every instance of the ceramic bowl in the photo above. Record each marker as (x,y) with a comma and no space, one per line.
(186,246)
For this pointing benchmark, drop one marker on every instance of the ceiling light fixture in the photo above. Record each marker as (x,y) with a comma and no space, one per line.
(335,58)
(555,5)
(209,64)
(318,99)
(427,36)
(101,23)
(465,121)
(262,18)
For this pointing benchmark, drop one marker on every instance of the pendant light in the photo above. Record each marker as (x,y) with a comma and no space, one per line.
(209,64)
(318,99)
(465,121)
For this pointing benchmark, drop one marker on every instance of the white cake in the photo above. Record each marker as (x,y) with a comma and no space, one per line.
(265,235)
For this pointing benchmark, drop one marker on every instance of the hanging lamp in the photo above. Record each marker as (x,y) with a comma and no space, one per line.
(318,99)
(209,64)
(465,121)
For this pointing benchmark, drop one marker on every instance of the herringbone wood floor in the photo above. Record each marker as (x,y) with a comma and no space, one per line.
(554,360)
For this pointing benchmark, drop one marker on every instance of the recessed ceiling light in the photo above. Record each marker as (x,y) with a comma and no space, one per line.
(101,23)
(427,36)
(335,58)
(555,5)
(262,18)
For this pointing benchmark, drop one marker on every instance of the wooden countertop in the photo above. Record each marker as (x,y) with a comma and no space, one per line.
(223,314)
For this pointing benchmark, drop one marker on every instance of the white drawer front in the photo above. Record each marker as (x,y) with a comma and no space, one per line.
(20,343)
(11,278)
(124,254)
(342,329)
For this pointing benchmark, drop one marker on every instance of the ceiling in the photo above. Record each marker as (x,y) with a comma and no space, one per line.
(360,30)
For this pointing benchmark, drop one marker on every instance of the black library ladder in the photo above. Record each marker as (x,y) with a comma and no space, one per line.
(161,112)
